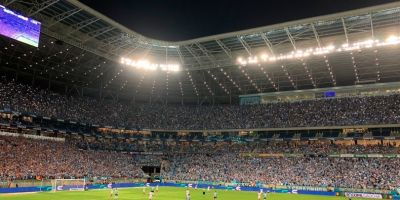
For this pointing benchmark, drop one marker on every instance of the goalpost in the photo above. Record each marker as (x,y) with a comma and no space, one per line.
(68,185)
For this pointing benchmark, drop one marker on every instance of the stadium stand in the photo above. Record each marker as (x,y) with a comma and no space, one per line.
(27,159)
(71,109)
(369,110)
(204,162)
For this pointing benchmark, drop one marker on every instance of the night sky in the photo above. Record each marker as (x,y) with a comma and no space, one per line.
(176,20)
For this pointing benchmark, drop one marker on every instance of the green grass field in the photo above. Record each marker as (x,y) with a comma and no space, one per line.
(165,193)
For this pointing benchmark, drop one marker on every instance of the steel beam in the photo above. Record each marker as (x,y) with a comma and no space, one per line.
(76,44)
(83,24)
(316,35)
(7,3)
(41,6)
(98,32)
(351,52)
(372,26)
(63,16)
(223,47)
(245,45)
(206,53)
(181,58)
(291,38)
(194,56)
(267,42)
(345,30)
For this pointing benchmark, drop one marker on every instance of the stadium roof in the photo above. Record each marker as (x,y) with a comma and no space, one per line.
(83,48)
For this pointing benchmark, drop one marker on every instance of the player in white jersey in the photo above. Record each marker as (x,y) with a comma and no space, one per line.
(187,194)
(157,188)
(215,195)
(259,196)
(151,195)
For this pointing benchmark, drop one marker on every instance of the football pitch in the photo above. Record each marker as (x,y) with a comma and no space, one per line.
(165,193)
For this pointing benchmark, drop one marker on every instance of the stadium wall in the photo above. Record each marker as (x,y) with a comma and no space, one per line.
(182,185)
(24,189)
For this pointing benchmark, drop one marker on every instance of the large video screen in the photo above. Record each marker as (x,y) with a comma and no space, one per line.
(19,27)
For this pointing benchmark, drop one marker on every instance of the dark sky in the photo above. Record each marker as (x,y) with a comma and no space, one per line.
(187,19)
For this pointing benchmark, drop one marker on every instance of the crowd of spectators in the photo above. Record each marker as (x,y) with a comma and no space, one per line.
(238,162)
(25,99)
(24,158)
(310,113)
(307,148)
(322,112)
(365,173)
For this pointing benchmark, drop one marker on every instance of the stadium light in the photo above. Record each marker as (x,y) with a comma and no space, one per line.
(304,53)
(147,65)
(392,40)
(170,67)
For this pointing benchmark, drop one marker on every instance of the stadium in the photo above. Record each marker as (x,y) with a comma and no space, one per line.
(305,109)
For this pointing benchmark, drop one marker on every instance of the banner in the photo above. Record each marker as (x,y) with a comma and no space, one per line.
(360,155)
(390,155)
(294,155)
(375,155)
(363,195)
(38,137)
(272,155)
(364,155)
(348,155)
(309,192)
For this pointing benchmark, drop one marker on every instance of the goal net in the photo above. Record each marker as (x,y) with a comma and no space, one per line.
(68,185)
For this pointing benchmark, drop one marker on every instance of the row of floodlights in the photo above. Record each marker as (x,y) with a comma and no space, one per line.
(264,58)
(299,54)
(147,65)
